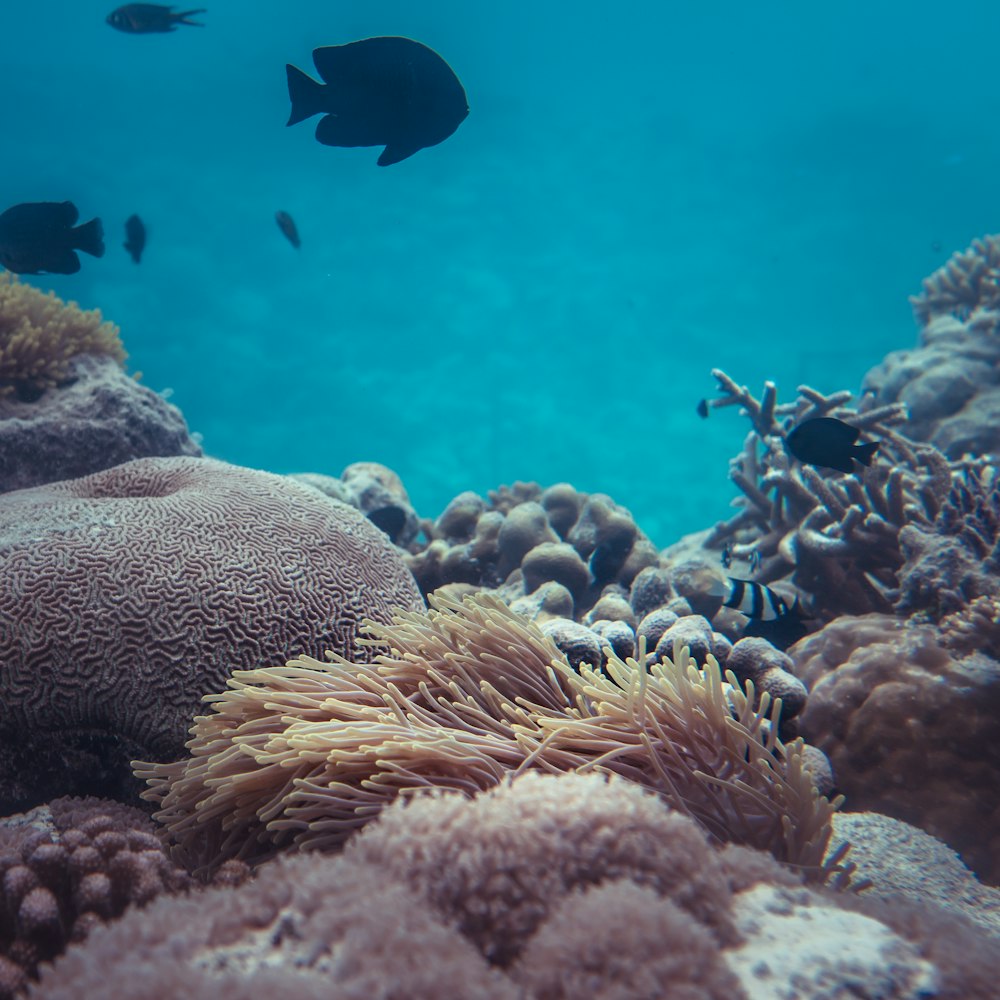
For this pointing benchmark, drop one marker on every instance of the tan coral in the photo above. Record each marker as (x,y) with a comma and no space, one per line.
(39,333)
(300,756)
(970,279)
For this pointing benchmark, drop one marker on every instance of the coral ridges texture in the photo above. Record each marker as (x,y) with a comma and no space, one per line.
(127,595)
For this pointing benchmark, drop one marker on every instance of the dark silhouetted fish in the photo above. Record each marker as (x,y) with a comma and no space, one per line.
(829,443)
(135,237)
(39,237)
(287,225)
(147,18)
(388,91)
(702,409)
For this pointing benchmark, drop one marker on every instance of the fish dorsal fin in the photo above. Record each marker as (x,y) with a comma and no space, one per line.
(68,213)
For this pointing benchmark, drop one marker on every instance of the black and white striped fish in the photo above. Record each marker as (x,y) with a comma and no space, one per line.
(755,600)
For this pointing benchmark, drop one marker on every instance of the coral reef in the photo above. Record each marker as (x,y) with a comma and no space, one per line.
(834,538)
(550,887)
(96,417)
(377,492)
(911,728)
(67,867)
(40,333)
(950,383)
(127,595)
(528,537)
(300,756)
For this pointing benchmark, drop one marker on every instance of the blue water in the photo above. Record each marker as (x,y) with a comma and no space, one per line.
(640,193)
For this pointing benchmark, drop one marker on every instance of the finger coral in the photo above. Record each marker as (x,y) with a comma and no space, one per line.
(127,595)
(60,879)
(39,333)
(301,756)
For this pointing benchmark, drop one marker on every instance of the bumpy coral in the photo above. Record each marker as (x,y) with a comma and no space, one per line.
(300,756)
(39,333)
(528,537)
(835,537)
(127,595)
(95,418)
(67,868)
(911,728)
(564,887)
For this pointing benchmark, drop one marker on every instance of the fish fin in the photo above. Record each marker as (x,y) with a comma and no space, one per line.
(393,154)
(89,238)
(864,452)
(354,63)
(304,93)
(182,18)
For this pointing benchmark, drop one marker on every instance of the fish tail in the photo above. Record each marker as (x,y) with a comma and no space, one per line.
(182,17)
(864,452)
(89,238)
(304,93)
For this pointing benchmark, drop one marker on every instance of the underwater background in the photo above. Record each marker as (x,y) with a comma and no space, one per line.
(641,192)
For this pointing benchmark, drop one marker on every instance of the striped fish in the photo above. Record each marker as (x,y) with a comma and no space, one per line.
(755,600)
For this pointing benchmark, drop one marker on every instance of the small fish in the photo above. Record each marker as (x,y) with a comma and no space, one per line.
(135,237)
(386,91)
(727,556)
(702,409)
(755,600)
(829,443)
(148,18)
(40,237)
(287,225)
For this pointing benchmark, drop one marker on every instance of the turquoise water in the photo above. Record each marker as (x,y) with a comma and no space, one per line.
(640,193)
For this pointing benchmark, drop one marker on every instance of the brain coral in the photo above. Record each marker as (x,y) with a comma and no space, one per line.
(127,595)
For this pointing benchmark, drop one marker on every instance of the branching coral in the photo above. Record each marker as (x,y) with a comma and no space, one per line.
(837,535)
(970,279)
(302,755)
(39,333)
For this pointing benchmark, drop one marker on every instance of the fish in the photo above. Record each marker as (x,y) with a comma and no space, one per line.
(135,237)
(287,225)
(149,18)
(702,409)
(755,600)
(386,91)
(40,237)
(829,443)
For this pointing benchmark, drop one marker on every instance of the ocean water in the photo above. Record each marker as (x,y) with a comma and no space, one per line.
(641,192)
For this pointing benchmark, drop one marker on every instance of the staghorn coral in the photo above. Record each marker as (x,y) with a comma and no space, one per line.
(911,727)
(65,869)
(956,560)
(300,756)
(970,279)
(127,595)
(40,333)
(835,537)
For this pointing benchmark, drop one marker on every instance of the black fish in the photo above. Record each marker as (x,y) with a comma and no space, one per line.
(702,408)
(387,91)
(147,18)
(135,237)
(829,443)
(287,225)
(39,237)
